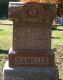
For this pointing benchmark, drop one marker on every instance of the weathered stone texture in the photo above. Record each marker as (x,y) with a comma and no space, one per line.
(31,36)
(31,57)
(29,73)
(32,24)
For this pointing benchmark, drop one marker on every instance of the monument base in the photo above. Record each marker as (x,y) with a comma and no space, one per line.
(30,73)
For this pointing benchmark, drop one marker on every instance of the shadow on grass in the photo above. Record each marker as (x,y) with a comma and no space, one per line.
(1,29)
(58,29)
(55,37)
(3,51)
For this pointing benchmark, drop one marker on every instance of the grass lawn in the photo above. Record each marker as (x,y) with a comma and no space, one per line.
(5,44)
(56,42)
(57,45)
(5,37)
(57,36)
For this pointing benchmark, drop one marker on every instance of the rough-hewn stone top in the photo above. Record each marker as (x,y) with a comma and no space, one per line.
(34,11)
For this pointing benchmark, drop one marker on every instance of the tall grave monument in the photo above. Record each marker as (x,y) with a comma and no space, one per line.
(31,57)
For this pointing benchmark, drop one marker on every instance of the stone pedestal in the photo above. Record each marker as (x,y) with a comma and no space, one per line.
(30,73)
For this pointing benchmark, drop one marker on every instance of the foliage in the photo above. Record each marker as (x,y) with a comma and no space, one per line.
(4,7)
(14,0)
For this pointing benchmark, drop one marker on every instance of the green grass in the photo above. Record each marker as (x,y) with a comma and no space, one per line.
(57,37)
(5,37)
(5,44)
(56,43)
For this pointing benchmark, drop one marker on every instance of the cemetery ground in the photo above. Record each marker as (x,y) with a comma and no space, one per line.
(6,43)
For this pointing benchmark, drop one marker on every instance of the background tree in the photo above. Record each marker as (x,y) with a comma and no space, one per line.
(4,8)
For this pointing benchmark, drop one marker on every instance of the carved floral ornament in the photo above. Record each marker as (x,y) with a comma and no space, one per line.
(34,11)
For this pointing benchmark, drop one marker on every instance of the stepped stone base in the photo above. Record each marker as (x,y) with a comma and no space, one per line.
(30,73)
